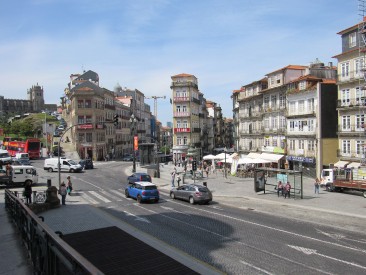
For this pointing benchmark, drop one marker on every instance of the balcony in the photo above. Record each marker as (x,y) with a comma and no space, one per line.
(305,131)
(181,99)
(195,100)
(351,155)
(350,77)
(302,153)
(181,114)
(351,103)
(302,113)
(182,130)
(196,130)
(281,130)
(351,130)
(109,107)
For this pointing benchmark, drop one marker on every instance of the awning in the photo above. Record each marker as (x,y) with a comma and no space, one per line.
(341,164)
(271,157)
(253,155)
(354,165)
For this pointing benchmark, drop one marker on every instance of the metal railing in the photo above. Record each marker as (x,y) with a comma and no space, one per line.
(47,251)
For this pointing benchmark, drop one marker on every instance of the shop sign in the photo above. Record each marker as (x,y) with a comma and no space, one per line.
(300,159)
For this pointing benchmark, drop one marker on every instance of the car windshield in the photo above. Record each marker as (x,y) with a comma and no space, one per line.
(72,162)
(150,187)
(4,155)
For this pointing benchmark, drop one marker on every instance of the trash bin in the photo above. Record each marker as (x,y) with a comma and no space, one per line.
(205,183)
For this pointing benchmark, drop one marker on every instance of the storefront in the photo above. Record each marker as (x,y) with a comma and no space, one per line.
(305,164)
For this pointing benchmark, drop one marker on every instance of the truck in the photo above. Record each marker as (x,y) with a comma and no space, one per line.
(344,179)
(66,165)
(21,174)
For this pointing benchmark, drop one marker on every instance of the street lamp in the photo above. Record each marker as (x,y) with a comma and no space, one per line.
(225,150)
(45,129)
(133,121)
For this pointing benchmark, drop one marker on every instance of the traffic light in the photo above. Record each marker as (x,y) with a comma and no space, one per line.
(115,120)
(194,165)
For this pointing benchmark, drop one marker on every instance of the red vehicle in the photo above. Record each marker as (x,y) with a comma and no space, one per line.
(32,146)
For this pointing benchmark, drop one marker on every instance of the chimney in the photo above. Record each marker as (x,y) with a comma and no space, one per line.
(330,64)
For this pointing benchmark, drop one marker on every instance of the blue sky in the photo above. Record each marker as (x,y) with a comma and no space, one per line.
(140,44)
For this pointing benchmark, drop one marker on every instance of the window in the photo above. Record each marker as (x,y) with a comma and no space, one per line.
(311,145)
(360,148)
(185,124)
(88,119)
(282,100)
(346,122)
(81,120)
(292,144)
(345,69)
(311,107)
(359,97)
(345,97)
(89,137)
(352,40)
(346,146)
(266,102)
(360,120)
(302,85)
(185,140)
(184,108)
(292,126)
(301,106)
(81,138)
(274,143)
(266,142)
(80,103)
(301,144)
(273,101)
(88,103)
(358,66)
(179,140)
(274,122)
(292,107)
(178,108)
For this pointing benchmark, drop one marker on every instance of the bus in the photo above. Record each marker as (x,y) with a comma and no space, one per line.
(32,146)
(6,141)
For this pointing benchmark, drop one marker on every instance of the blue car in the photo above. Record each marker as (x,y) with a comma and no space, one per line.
(142,191)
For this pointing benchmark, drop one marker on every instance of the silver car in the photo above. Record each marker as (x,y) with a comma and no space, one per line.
(193,193)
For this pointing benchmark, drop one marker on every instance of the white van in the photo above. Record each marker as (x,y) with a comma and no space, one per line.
(5,156)
(67,165)
(20,174)
(22,156)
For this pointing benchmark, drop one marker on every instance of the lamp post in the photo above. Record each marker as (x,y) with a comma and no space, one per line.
(45,128)
(133,121)
(225,150)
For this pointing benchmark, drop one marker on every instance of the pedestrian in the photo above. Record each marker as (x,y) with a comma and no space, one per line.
(63,193)
(9,170)
(173,176)
(287,190)
(316,186)
(69,185)
(279,189)
(178,179)
(28,192)
(207,170)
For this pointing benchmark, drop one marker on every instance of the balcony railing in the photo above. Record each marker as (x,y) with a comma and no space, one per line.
(181,114)
(351,76)
(351,103)
(302,153)
(181,99)
(300,113)
(274,130)
(351,154)
(351,128)
(184,84)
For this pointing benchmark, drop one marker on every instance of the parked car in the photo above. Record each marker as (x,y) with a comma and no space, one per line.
(142,191)
(21,162)
(61,127)
(135,177)
(86,164)
(193,193)
(127,158)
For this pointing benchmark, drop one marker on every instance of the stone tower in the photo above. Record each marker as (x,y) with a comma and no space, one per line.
(35,95)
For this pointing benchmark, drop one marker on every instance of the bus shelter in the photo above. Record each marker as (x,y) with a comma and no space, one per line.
(266,180)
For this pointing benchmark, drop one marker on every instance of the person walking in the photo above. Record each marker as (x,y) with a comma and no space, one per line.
(287,190)
(9,170)
(316,186)
(69,185)
(63,193)
(173,176)
(279,189)
(28,192)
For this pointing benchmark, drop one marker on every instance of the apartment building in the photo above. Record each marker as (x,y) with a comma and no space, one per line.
(186,109)
(311,115)
(351,97)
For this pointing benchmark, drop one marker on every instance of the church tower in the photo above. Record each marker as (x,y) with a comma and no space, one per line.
(35,95)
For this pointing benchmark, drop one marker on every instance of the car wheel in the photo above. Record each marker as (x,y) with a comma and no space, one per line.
(50,170)
(72,170)
(191,200)
(156,200)
(172,195)
(139,199)
(364,194)
(126,194)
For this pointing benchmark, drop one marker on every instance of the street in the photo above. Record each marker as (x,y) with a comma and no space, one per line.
(232,239)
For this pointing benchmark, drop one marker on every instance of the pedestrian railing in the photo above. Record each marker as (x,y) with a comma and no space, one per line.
(47,251)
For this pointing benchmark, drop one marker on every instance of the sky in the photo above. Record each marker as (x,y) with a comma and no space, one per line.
(140,44)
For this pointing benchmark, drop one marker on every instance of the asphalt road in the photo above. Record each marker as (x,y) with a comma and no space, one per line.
(232,239)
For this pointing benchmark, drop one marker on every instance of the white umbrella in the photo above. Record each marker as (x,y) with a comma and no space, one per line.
(250,160)
(222,156)
(209,157)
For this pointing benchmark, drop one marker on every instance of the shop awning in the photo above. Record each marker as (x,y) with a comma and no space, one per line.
(271,157)
(341,164)
(253,155)
(354,165)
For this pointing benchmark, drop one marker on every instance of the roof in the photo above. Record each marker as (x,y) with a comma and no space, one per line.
(145,183)
(182,75)
(347,52)
(350,28)
(89,75)
(289,67)
(87,86)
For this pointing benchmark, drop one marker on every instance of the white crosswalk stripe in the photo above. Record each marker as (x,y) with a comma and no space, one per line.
(97,195)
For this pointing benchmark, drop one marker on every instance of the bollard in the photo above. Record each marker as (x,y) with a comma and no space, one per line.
(49,183)
(205,183)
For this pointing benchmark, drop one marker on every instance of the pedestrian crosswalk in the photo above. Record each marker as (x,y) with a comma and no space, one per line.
(101,196)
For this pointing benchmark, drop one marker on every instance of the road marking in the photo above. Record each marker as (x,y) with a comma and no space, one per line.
(118,193)
(340,237)
(256,268)
(99,196)
(272,228)
(90,184)
(172,209)
(89,199)
(309,251)
(137,218)
(110,195)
